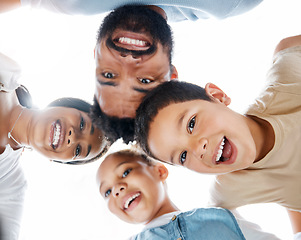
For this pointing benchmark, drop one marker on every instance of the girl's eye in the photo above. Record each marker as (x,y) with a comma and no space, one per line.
(183,157)
(78,151)
(191,124)
(108,75)
(145,80)
(126,172)
(82,124)
(107,193)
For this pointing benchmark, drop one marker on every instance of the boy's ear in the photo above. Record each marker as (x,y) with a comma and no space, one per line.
(174,73)
(162,170)
(216,93)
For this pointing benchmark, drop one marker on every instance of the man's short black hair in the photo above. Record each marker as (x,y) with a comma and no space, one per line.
(113,127)
(158,98)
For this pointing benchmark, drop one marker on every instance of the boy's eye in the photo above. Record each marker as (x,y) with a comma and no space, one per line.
(107,193)
(145,80)
(108,75)
(78,151)
(183,157)
(126,172)
(82,123)
(191,124)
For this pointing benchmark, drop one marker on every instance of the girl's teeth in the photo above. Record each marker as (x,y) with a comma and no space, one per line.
(132,41)
(126,205)
(220,151)
(57,133)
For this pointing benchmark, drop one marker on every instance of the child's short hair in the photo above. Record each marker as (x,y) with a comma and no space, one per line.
(158,98)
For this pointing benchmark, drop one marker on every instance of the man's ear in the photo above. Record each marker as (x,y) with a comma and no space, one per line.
(162,171)
(173,73)
(216,93)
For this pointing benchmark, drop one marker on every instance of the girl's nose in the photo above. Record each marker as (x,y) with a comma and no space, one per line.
(118,189)
(70,137)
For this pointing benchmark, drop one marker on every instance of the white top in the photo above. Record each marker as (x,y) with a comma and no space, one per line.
(12,191)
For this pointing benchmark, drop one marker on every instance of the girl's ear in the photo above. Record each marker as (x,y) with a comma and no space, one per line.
(174,73)
(162,171)
(216,93)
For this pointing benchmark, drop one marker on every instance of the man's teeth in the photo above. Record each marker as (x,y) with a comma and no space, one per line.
(126,205)
(220,151)
(56,135)
(132,41)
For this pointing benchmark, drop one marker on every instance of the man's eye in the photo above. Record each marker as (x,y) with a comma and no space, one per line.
(145,80)
(126,172)
(78,151)
(191,124)
(108,75)
(183,157)
(107,193)
(82,124)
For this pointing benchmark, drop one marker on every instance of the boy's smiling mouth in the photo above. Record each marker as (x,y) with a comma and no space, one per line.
(224,153)
(131,201)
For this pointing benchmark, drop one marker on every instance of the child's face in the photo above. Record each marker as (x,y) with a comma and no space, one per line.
(133,190)
(192,133)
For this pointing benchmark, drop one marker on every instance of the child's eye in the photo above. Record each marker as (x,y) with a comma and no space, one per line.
(183,157)
(190,125)
(82,123)
(77,151)
(107,193)
(126,172)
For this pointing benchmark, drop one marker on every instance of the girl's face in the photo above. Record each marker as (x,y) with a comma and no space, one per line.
(133,190)
(63,133)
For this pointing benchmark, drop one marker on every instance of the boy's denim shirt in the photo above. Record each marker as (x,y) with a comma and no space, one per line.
(201,223)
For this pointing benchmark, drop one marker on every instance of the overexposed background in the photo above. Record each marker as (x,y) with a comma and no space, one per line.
(56,54)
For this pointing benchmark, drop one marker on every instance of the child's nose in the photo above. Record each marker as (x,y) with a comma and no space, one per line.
(200,148)
(118,189)
(70,137)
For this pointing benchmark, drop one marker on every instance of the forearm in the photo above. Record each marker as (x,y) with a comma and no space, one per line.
(7,5)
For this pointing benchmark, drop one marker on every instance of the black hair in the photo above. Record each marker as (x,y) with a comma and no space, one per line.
(83,106)
(158,98)
(113,127)
(24,96)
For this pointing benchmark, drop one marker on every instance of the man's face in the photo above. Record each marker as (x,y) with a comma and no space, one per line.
(132,57)
(204,136)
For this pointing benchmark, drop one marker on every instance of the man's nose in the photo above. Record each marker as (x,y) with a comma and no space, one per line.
(200,147)
(130,58)
(118,189)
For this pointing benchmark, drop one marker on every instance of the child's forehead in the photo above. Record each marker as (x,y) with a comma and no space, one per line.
(116,159)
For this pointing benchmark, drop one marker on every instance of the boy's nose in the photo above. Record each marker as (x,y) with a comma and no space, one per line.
(70,136)
(200,148)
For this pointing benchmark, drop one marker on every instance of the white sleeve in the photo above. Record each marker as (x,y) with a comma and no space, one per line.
(10,73)
(252,230)
(297,236)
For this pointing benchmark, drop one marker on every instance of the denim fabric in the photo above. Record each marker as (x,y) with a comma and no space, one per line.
(202,223)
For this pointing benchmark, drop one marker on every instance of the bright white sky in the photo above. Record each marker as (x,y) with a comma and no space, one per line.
(56,54)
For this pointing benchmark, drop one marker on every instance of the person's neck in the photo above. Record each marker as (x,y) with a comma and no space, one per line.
(20,126)
(167,207)
(264,137)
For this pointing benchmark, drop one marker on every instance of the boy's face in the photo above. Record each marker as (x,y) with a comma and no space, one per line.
(204,136)
(133,190)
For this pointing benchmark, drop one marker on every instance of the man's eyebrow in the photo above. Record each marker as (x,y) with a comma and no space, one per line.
(106,83)
(141,90)
(89,150)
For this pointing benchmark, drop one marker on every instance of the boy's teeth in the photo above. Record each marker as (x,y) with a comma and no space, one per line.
(126,205)
(220,150)
(56,135)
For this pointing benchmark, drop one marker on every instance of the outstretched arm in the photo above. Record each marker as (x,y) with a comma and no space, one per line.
(7,5)
(288,42)
(295,218)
